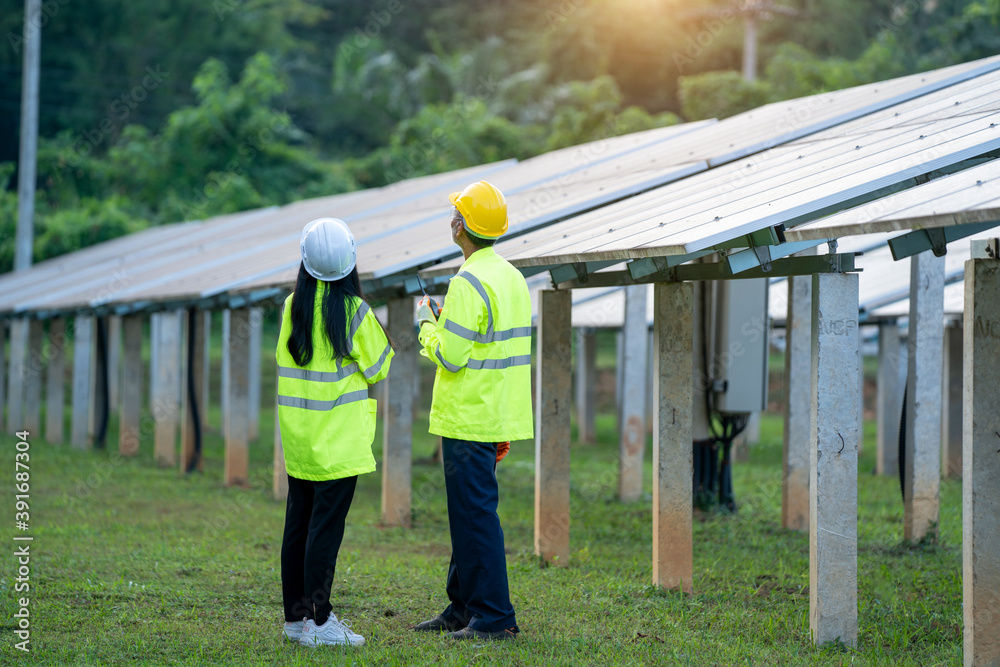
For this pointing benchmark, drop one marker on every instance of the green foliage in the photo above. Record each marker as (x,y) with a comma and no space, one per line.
(720,95)
(794,72)
(8,218)
(90,221)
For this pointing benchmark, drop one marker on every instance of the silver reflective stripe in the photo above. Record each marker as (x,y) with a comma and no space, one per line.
(311,404)
(499,364)
(474,281)
(377,366)
(356,321)
(444,362)
(317,376)
(469,334)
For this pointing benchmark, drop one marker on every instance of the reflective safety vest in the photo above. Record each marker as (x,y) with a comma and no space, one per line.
(327,420)
(482,347)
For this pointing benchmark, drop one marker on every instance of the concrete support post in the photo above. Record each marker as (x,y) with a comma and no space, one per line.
(586,379)
(798,397)
(280,480)
(130,414)
(397,441)
(55,375)
(891,378)
(168,380)
(632,428)
(981,464)
(833,461)
(922,474)
(226,357)
(154,344)
(236,417)
(114,361)
(191,432)
(554,369)
(83,359)
(673,431)
(34,368)
(256,338)
(18,369)
(951,408)
(207,365)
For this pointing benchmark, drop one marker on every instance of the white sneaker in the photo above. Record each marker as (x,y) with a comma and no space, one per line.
(292,631)
(333,632)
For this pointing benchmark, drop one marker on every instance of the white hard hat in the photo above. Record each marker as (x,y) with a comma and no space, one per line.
(328,249)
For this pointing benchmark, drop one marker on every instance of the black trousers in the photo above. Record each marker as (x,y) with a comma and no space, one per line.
(477,576)
(314,528)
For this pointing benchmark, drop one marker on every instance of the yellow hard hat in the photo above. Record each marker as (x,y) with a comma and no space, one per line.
(484,208)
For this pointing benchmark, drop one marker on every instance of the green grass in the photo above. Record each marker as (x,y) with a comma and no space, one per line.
(139,565)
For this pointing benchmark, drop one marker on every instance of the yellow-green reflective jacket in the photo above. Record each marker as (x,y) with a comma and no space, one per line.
(327,420)
(482,348)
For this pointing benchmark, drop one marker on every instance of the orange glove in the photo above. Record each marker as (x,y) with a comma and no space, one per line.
(502,449)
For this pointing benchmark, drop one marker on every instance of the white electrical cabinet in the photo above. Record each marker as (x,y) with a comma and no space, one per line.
(739,364)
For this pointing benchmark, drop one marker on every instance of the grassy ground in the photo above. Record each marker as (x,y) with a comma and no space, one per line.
(138,565)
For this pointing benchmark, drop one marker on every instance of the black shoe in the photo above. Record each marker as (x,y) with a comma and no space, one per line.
(471,633)
(439,624)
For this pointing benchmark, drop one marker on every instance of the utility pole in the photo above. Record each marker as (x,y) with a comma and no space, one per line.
(28,159)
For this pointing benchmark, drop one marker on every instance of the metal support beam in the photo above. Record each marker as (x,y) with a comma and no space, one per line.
(833,461)
(397,441)
(934,239)
(673,431)
(981,464)
(922,473)
(554,369)
(55,390)
(632,428)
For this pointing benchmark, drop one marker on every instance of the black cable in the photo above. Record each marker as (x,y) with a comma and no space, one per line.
(102,383)
(192,464)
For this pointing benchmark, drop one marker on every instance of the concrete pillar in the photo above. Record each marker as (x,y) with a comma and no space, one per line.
(586,379)
(114,361)
(168,381)
(951,408)
(207,365)
(3,373)
(236,417)
(130,413)
(191,431)
(256,338)
(18,369)
(922,474)
(154,344)
(833,460)
(397,441)
(224,389)
(798,401)
(891,379)
(632,429)
(673,465)
(34,368)
(981,464)
(83,361)
(554,371)
(54,382)
(280,479)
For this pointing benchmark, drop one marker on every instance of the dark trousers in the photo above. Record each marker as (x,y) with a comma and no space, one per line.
(477,575)
(314,528)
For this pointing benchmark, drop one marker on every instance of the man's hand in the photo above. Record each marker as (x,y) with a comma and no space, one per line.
(425,312)
(502,449)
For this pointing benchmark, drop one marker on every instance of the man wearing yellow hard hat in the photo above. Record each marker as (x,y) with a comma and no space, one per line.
(481,344)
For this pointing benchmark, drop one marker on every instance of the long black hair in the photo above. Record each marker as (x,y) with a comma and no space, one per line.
(337,307)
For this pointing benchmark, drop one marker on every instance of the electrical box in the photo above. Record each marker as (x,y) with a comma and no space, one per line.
(739,365)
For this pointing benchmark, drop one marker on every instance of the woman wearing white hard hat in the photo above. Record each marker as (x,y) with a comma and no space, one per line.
(330,349)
